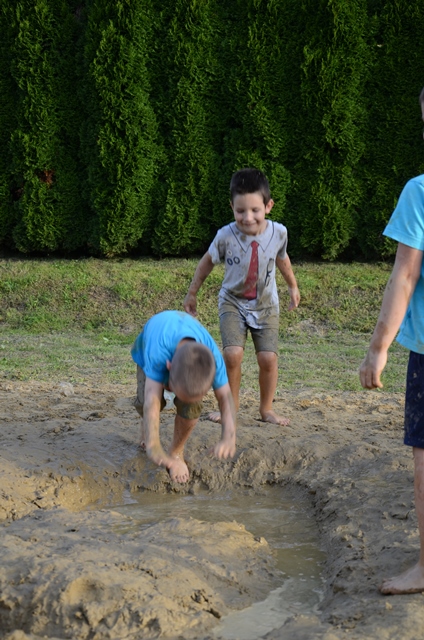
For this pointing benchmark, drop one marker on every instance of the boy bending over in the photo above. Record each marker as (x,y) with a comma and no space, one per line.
(251,247)
(175,352)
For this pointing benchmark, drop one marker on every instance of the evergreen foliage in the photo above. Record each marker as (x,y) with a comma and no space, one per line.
(43,144)
(189,79)
(119,136)
(122,121)
(393,133)
(8,101)
(257,135)
(335,68)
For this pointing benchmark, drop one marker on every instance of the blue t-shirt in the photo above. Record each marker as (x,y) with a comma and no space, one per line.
(407,226)
(158,341)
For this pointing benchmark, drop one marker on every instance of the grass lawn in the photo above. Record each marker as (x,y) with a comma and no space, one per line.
(75,320)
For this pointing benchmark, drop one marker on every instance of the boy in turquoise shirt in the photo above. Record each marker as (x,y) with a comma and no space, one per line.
(403,308)
(175,352)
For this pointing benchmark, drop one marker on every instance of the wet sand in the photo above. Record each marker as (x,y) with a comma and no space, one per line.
(70,571)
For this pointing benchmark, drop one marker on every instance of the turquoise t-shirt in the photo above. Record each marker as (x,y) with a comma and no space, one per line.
(157,343)
(407,226)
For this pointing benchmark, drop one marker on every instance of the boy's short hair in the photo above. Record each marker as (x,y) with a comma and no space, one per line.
(249,181)
(193,369)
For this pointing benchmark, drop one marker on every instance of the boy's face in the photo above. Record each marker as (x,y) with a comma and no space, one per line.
(250,211)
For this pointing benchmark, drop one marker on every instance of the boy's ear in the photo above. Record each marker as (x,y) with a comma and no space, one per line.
(168,365)
(269,206)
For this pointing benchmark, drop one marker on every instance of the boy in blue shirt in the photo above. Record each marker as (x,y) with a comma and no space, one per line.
(403,307)
(175,352)
(251,248)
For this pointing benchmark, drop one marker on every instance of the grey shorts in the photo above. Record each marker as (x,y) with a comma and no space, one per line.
(189,411)
(234,328)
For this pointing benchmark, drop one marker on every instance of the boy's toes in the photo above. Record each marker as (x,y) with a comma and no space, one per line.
(178,470)
(273,418)
(215,416)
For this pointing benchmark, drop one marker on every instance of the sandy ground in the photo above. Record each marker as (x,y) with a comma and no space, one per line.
(70,571)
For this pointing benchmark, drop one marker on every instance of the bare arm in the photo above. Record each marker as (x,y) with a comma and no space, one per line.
(203,269)
(399,289)
(285,268)
(151,418)
(226,447)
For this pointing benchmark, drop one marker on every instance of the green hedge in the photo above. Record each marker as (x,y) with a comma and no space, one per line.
(119,136)
(121,121)
(43,138)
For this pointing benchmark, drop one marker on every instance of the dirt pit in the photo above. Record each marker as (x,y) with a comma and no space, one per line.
(72,568)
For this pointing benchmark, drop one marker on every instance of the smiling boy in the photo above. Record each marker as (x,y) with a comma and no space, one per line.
(251,248)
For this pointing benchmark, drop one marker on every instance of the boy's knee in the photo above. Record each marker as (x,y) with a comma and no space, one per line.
(266,359)
(233,356)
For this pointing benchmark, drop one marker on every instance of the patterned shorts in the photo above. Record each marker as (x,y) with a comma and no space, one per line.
(414,401)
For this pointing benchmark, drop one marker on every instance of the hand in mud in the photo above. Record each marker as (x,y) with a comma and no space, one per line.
(223,449)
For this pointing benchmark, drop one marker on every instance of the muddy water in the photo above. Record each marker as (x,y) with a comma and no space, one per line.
(286,524)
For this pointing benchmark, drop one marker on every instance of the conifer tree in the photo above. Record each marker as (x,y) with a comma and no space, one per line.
(119,138)
(189,78)
(263,92)
(44,142)
(335,68)
(8,102)
(393,135)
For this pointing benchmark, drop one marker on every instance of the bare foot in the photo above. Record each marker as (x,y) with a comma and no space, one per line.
(273,418)
(178,470)
(215,416)
(411,581)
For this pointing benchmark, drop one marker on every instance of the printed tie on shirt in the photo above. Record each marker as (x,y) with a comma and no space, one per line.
(250,286)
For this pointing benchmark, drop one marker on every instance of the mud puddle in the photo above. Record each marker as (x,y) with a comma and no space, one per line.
(283,520)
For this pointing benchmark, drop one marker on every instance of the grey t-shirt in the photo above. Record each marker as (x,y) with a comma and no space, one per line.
(233,247)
